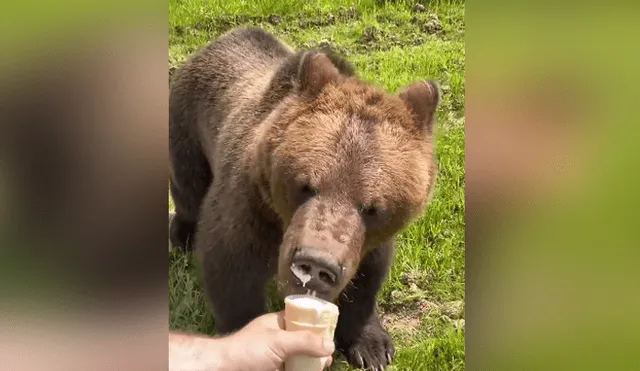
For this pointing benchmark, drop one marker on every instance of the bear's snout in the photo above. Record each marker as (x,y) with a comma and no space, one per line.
(316,271)
(321,249)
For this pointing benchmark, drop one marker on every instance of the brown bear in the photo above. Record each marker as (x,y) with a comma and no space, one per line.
(286,162)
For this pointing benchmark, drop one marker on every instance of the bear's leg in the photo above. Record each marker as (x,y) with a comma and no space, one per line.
(359,334)
(182,224)
(190,178)
(238,252)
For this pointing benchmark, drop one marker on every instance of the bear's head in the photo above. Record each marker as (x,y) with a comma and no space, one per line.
(345,166)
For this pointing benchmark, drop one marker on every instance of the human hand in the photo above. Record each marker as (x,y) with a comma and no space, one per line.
(264,345)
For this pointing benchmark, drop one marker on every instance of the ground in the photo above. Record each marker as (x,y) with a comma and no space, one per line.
(391,44)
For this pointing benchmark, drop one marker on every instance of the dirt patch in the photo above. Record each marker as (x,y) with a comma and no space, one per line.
(405,321)
(343,15)
(408,308)
(432,25)
(426,306)
(274,19)
(453,309)
(370,34)
(314,22)
(348,13)
(223,23)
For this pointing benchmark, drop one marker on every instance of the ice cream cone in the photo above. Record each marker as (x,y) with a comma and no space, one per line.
(306,312)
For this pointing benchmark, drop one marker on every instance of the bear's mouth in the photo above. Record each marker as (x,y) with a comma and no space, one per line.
(299,284)
(297,281)
(309,265)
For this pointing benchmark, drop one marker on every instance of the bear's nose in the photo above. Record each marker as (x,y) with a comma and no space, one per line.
(315,272)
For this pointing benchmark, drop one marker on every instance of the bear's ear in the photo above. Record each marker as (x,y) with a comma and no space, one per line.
(422,98)
(315,71)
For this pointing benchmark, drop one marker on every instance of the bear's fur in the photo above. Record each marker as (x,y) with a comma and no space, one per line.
(274,152)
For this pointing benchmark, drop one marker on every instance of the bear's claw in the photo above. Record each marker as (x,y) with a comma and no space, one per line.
(372,350)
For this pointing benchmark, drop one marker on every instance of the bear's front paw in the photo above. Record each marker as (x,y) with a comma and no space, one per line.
(371,350)
(181,233)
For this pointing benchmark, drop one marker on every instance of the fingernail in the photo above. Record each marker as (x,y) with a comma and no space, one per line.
(328,345)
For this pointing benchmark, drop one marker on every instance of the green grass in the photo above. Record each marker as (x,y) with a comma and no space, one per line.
(391,46)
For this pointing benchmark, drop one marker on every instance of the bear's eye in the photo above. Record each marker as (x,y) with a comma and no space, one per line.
(307,190)
(370,211)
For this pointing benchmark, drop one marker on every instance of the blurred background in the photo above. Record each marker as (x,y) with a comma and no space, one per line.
(550,135)
(551,187)
(83,164)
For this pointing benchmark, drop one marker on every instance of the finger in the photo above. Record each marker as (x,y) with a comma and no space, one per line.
(288,343)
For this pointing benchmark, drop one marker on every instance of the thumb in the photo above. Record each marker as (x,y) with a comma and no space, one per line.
(289,343)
